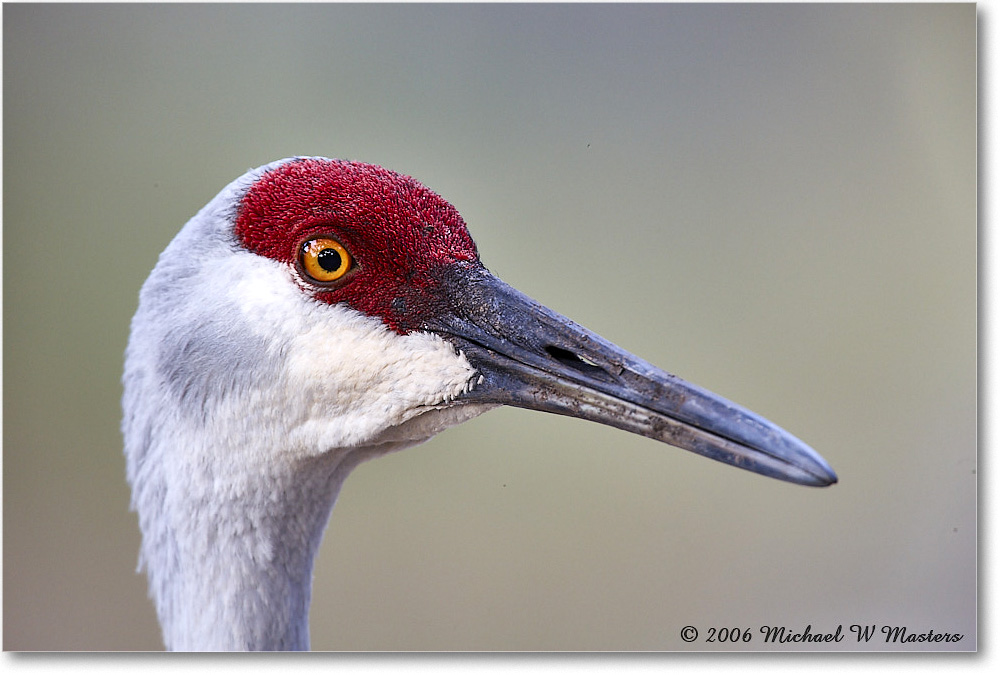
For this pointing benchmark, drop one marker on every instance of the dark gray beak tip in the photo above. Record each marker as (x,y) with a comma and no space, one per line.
(809,467)
(820,476)
(828,478)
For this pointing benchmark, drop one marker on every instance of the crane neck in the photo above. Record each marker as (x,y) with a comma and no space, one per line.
(230,565)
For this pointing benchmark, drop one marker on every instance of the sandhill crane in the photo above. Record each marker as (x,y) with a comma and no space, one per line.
(318,313)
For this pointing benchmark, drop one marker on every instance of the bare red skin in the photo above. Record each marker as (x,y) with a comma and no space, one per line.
(399,233)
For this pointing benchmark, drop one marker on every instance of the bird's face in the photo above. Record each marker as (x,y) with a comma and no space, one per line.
(404,306)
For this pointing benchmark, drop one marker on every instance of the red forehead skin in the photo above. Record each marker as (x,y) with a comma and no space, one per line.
(399,233)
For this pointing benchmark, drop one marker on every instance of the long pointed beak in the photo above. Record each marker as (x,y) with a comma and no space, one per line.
(531,357)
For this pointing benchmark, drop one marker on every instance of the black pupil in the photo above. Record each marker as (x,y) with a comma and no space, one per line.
(329,259)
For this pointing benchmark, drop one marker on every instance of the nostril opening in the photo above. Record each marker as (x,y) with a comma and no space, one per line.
(568,358)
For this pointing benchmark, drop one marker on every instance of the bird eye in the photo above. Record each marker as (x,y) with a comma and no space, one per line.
(324,259)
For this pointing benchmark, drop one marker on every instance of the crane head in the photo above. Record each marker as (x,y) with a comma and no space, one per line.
(335,304)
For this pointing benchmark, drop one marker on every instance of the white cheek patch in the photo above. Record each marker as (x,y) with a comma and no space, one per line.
(357,378)
(346,378)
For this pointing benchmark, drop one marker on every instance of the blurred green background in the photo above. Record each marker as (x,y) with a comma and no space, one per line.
(775,202)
